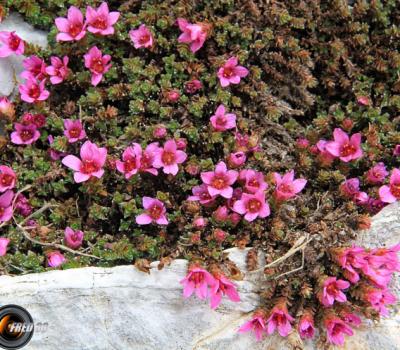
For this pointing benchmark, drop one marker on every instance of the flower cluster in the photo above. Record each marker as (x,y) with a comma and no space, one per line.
(348,149)
(376,266)
(249,199)
(205,285)
(98,21)
(27,131)
(132,107)
(8,179)
(278,318)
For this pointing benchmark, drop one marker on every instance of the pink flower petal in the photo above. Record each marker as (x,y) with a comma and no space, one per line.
(80,177)
(72,162)
(143,219)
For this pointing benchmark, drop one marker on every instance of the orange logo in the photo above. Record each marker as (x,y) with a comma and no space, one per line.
(16,327)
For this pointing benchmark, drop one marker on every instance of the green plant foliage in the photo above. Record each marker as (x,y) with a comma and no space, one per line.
(313,66)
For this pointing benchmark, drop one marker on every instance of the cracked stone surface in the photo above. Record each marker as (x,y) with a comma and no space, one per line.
(123,308)
(11,67)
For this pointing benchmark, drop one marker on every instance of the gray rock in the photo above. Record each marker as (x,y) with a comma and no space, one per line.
(11,67)
(123,308)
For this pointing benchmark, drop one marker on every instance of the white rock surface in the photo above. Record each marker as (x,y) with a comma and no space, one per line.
(123,308)
(11,67)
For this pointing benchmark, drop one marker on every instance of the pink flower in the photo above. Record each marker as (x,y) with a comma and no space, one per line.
(97,64)
(22,206)
(335,329)
(361,198)
(377,174)
(39,120)
(279,319)
(222,121)
(231,72)
(374,205)
(331,290)
(256,324)
(347,124)
(391,193)
(306,327)
(58,70)
(193,169)
(93,159)
(160,132)
(12,44)
(72,27)
(286,186)
(252,206)
(199,222)
(141,37)
(147,159)
(363,100)
(200,193)
(155,212)
(101,20)
(324,155)
(55,259)
(234,219)
(350,187)
(345,147)
(130,163)
(379,277)
(354,256)
(7,178)
(222,286)
(28,118)
(385,258)
(302,143)
(169,157)
(220,181)
(396,151)
(6,210)
(7,108)
(381,263)
(74,130)
(350,318)
(35,68)
(193,86)
(237,159)
(24,134)
(3,245)
(219,235)
(378,298)
(197,280)
(193,34)
(253,180)
(350,259)
(72,238)
(32,91)
(181,143)
(173,95)
(221,214)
